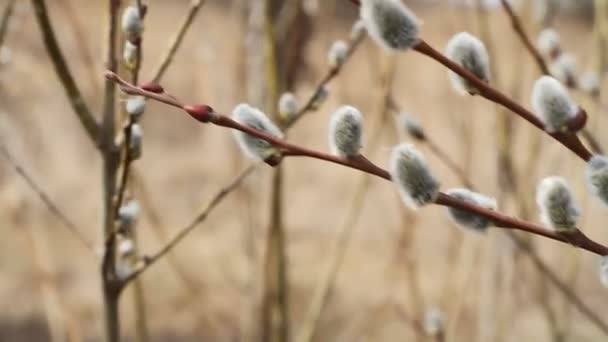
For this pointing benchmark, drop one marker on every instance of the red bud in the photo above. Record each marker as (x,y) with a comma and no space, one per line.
(202,113)
(153,88)
(578,122)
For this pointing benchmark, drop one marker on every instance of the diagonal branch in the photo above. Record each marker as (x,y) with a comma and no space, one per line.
(500,220)
(63,72)
(4,20)
(46,199)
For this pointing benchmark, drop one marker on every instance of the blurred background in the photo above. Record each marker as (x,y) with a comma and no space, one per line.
(398,265)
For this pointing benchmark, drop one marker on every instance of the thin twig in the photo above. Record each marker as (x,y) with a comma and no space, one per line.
(46,199)
(575,238)
(195,5)
(63,72)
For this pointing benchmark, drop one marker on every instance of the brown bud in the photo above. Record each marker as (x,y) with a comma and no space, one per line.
(274,159)
(578,122)
(153,88)
(202,113)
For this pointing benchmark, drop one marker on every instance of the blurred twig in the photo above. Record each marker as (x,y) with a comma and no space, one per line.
(175,43)
(63,72)
(46,199)
(337,252)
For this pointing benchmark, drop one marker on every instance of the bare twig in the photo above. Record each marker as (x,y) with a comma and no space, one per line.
(63,72)
(46,199)
(195,5)
(576,238)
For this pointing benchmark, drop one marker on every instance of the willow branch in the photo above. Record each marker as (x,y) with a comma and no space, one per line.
(63,72)
(542,65)
(568,139)
(360,163)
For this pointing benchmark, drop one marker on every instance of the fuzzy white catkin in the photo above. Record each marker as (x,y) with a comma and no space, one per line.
(590,82)
(128,214)
(346,131)
(319,98)
(132,23)
(288,105)
(357,30)
(124,269)
(135,107)
(471,54)
(564,68)
(556,203)
(136,142)
(390,23)
(604,271)
(548,43)
(434,322)
(252,147)
(410,173)
(129,53)
(467,219)
(338,52)
(597,177)
(552,104)
(126,248)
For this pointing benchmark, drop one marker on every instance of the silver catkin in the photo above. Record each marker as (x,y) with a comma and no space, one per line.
(469,220)
(346,131)
(252,147)
(471,54)
(556,204)
(413,178)
(390,23)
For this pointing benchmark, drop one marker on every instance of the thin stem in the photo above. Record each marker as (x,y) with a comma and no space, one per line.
(576,238)
(46,199)
(166,60)
(63,72)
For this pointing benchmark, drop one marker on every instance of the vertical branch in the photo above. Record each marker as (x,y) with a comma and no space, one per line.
(111,161)
(63,72)
(275,308)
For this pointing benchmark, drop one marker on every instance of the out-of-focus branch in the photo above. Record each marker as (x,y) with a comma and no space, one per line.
(63,72)
(46,199)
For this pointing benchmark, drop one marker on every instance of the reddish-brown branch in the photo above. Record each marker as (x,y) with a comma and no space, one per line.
(569,140)
(576,238)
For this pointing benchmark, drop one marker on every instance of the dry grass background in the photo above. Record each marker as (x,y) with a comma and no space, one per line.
(492,288)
